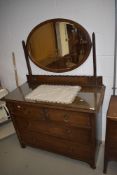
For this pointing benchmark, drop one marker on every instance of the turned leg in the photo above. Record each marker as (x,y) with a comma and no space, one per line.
(105,166)
(105,159)
(92,165)
(23,145)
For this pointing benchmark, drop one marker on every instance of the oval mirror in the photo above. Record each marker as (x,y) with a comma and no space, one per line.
(58,45)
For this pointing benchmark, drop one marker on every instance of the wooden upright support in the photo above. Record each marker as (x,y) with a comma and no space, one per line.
(27,58)
(94,55)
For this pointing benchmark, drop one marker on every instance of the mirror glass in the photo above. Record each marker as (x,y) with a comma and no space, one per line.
(58,45)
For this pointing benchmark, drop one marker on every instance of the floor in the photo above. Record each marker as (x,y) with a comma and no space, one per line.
(6,129)
(15,160)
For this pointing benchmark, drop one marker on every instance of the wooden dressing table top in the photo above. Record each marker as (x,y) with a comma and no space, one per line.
(88,99)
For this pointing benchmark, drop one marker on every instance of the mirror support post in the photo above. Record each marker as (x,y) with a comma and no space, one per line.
(94,55)
(27,58)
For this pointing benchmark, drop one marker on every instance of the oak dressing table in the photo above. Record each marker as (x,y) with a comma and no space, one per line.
(73,130)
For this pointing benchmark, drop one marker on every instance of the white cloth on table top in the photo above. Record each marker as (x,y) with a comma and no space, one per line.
(54,93)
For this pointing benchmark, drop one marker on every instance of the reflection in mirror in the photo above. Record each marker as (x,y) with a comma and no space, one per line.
(58,45)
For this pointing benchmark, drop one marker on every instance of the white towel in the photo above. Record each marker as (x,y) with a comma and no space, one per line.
(54,93)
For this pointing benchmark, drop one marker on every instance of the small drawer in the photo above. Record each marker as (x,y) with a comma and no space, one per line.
(28,111)
(70,117)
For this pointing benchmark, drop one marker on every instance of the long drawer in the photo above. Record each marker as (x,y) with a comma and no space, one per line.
(59,130)
(82,152)
(72,118)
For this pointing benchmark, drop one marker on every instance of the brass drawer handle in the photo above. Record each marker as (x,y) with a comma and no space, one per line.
(18,107)
(66,118)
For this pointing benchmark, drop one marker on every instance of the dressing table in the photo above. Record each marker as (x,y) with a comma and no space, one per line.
(74,129)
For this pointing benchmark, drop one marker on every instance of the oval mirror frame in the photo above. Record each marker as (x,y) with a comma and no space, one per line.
(67,47)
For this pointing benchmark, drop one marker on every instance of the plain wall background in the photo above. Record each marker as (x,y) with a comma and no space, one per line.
(18,17)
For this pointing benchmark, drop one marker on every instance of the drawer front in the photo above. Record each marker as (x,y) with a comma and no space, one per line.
(54,144)
(75,134)
(112,131)
(70,117)
(27,111)
(112,146)
(112,154)
(55,115)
